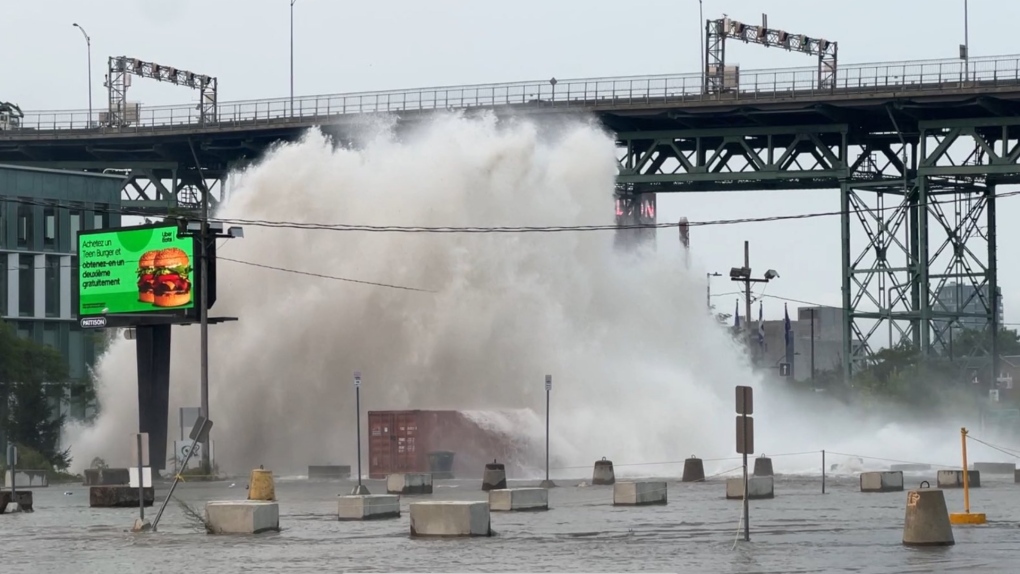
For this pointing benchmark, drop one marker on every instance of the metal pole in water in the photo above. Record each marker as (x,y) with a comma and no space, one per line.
(966,481)
(357,400)
(747,506)
(548,390)
(823,471)
(141,483)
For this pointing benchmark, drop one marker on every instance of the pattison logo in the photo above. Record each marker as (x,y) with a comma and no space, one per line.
(93,322)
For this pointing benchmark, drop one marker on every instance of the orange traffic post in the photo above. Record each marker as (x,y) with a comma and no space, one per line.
(966,517)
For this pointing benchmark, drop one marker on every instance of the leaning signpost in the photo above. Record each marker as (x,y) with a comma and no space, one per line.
(199,433)
(745,442)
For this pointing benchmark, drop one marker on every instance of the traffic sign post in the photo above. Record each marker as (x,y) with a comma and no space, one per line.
(548,391)
(199,433)
(784,369)
(360,488)
(12,465)
(745,442)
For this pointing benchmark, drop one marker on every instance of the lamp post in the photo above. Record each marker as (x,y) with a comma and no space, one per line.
(743,275)
(88,47)
(206,232)
(292,2)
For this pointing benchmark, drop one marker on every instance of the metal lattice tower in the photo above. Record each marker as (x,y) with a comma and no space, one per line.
(121,68)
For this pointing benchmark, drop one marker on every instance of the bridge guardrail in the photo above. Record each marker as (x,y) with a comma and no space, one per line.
(790,83)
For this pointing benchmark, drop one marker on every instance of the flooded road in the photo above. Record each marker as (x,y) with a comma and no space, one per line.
(801,530)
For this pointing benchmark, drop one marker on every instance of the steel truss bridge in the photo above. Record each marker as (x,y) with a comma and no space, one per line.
(916,150)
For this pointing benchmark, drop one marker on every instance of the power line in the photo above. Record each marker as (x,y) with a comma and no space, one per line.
(480,229)
(335,278)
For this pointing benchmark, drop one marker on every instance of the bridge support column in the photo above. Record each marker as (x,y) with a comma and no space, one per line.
(152,349)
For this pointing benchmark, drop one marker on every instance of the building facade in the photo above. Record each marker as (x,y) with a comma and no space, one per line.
(41,213)
(969,300)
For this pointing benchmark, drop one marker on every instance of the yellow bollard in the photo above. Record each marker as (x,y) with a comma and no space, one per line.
(260,486)
(966,517)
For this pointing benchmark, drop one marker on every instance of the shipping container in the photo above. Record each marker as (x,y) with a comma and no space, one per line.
(401,441)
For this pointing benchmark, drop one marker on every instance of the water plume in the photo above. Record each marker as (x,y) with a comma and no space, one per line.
(641,372)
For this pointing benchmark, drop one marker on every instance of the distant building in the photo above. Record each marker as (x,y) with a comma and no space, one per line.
(966,299)
(41,212)
(824,349)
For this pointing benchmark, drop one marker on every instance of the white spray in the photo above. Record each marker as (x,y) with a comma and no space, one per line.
(641,372)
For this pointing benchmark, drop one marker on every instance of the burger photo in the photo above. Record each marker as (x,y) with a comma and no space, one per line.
(172,286)
(146,276)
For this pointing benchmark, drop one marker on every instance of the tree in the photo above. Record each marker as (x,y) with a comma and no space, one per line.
(26,368)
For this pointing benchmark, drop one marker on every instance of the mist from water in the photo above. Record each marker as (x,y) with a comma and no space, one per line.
(641,372)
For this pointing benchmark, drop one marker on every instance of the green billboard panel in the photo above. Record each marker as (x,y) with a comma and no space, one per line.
(135,270)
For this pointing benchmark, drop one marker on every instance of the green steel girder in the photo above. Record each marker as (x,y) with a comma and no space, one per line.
(802,157)
(923,200)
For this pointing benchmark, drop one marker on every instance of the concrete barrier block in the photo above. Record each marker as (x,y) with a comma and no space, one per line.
(694,470)
(763,466)
(603,473)
(954,479)
(450,518)
(242,516)
(1003,468)
(416,483)
(329,472)
(519,499)
(639,493)
(927,519)
(122,496)
(368,507)
(890,481)
(758,488)
(27,479)
(21,502)
(494,477)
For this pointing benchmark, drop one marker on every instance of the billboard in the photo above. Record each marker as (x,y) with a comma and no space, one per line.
(135,271)
(632,210)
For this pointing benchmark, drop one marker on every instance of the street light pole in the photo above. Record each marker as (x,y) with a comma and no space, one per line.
(88,47)
(292,2)
(966,41)
(708,288)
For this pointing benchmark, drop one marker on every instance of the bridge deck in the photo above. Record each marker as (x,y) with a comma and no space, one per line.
(677,96)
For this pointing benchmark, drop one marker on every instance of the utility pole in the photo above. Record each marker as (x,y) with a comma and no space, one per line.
(743,275)
(812,345)
(203,279)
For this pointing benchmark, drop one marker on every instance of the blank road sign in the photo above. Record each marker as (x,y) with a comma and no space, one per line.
(745,435)
(745,400)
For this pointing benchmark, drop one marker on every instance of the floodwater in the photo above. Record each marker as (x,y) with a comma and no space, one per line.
(801,530)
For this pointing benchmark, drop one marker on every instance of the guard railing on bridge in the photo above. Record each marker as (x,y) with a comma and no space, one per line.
(582,94)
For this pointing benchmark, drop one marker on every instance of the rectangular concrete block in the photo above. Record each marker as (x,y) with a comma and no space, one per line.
(891,481)
(242,517)
(954,479)
(27,479)
(119,496)
(1003,468)
(413,483)
(368,506)
(758,488)
(518,499)
(22,501)
(329,472)
(450,518)
(639,493)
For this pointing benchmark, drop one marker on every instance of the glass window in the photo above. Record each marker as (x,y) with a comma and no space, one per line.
(74,292)
(75,228)
(51,335)
(52,286)
(100,217)
(49,227)
(25,227)
(3,223)
(26,285)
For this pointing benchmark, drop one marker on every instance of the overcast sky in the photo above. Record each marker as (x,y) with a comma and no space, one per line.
(343,46)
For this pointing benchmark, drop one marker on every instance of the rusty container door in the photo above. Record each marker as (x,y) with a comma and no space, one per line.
(406,453)
(381,439)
